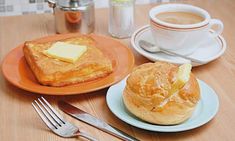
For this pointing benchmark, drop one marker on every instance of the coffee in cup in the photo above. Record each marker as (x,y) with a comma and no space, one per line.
(180,17)
(182,28)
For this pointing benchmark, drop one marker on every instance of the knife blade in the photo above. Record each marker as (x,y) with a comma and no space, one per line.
(93,121)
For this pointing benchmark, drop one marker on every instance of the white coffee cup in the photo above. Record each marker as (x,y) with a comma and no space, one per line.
(182,38)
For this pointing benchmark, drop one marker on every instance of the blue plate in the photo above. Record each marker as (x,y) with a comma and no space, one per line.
(204,112)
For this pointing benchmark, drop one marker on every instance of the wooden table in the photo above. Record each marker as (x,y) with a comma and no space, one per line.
(19,121)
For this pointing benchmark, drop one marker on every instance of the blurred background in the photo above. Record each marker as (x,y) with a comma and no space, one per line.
(19,7)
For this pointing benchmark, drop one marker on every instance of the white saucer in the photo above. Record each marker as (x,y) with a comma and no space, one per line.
(207,52)
(204,112)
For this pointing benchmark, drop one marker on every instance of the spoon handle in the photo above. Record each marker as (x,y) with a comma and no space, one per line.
(152,48)
(182,56)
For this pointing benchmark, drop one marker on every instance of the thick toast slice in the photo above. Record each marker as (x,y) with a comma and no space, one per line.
(91,65)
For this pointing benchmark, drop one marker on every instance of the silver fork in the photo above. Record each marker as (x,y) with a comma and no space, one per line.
(56,122)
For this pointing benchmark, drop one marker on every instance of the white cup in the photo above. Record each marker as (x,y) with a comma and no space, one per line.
(182,38)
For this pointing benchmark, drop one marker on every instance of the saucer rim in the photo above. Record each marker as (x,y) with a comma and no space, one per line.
(142,29)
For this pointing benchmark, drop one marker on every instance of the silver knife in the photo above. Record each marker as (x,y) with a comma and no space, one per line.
(93,121)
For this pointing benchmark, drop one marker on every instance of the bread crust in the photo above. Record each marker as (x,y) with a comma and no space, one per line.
(147,96)
(93,64)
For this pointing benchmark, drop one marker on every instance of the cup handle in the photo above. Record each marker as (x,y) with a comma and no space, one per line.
(219,27)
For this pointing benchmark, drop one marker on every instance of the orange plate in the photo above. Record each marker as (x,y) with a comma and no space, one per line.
(16,70)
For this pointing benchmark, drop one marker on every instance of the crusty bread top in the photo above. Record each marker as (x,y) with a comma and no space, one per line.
(155,80)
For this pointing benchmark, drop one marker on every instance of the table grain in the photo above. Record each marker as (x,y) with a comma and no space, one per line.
(19,121)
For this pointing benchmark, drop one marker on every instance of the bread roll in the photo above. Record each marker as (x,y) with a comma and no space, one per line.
(147,94)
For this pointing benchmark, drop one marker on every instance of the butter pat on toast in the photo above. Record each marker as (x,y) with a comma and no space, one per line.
(65,52)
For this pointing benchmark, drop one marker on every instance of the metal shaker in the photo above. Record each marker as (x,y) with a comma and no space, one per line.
(73,15)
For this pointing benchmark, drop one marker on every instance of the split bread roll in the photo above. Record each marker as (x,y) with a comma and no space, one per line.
(161,93)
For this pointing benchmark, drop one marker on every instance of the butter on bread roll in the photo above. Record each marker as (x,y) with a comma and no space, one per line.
(154,94)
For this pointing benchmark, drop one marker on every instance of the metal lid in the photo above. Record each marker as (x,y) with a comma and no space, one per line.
(73,4)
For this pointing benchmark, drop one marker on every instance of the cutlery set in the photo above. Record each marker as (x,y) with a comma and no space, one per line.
(63,128)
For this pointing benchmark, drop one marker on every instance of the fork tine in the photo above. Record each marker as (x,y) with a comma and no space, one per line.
(51,113)
(53,110)
(44,119)
(48,117)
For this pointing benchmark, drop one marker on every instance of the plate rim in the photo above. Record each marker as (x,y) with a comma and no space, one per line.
(209,118)
(145,27)
(4,65)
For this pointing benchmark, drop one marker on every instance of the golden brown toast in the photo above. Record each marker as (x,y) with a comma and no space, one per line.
(53,72)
